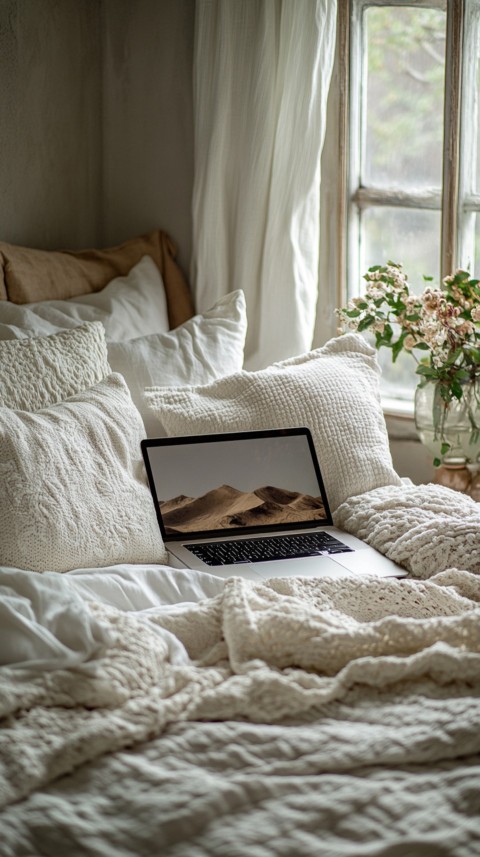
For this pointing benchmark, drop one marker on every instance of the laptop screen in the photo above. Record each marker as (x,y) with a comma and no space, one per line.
(226,484)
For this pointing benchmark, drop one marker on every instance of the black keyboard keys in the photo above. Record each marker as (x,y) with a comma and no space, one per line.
(268,548)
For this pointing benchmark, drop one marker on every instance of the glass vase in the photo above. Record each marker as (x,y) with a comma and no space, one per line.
(455,423)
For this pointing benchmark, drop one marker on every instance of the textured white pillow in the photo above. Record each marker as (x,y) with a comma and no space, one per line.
(333,391)
(206,347)
(38,372)
(129,306)
(73,488)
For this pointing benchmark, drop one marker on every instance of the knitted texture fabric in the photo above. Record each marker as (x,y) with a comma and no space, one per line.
(425,528)
(333,391)
(287,649)
(41,371)
(74,491)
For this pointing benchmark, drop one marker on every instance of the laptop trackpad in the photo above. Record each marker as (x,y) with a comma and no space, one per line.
(369,562)
(310,566)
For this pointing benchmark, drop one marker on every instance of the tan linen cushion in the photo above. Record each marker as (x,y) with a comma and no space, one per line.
(28,275)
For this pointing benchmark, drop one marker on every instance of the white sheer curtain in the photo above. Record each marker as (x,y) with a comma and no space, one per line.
(261,76)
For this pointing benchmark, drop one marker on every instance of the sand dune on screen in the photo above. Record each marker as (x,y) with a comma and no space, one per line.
(226,507)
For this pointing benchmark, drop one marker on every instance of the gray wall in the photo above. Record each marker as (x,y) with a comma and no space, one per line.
(148,119)
(96,137)
(50,133)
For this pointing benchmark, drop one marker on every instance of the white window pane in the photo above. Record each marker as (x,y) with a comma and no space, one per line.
(475,266)
(410,237)
(405,235)
(471,116)
(470,228)
(475,119)
(404,97)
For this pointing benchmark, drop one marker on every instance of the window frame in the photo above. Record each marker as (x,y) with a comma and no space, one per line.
(446,200)
(341,160)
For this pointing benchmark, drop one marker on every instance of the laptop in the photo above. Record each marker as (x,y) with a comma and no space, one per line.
(251,504)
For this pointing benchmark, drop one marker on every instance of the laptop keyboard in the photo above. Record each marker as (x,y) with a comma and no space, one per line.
(268,549)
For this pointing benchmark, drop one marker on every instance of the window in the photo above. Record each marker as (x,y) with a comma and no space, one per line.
(408,73)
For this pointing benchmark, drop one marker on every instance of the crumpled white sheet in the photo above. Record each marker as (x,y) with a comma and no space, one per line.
(45,624)
(142,587)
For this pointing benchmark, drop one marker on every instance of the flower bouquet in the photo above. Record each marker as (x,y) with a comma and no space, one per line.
(443,326)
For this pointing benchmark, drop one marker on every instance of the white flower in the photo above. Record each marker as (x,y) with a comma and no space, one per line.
(409,342)
(375,293)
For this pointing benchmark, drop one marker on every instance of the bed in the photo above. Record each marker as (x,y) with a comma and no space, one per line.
(150,710)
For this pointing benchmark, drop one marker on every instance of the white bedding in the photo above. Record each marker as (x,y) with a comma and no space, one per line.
(290,718)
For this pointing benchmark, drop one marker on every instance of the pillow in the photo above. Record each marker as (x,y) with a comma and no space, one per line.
(74,492)
(28,275)
(129,306)
(35,373)
(334,391)
(203,349)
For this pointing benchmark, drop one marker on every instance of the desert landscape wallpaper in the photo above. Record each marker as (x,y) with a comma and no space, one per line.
(226,508)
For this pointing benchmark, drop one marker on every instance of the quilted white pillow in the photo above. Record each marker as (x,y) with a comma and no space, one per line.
(38,372)
(333,391)
(202,349)
(74,492)
(129,306)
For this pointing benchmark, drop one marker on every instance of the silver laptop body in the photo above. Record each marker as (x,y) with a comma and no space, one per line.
(251,504)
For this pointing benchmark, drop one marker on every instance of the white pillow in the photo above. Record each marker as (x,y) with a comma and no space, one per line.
(129,306)
(74,491)
(333,391)
(38,372)
(202,349)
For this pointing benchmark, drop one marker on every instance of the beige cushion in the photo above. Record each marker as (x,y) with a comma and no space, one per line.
(28,275)
(38,372)
(204,348)
(334,391)
(128,306)
(74,492)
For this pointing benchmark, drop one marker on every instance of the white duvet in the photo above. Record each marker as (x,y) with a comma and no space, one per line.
(296,717)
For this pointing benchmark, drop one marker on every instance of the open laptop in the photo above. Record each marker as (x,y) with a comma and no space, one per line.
(251,504)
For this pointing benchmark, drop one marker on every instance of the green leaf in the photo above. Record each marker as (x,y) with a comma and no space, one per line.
(397,347)
(473,353)
(454,356)
(436,462)
(445,447)
(422,346)
(388,332)
(365,323)
(456,389)
(352,313)
(422,369)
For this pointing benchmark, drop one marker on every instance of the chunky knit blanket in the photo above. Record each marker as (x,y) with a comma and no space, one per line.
(425,528)
(354,677)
